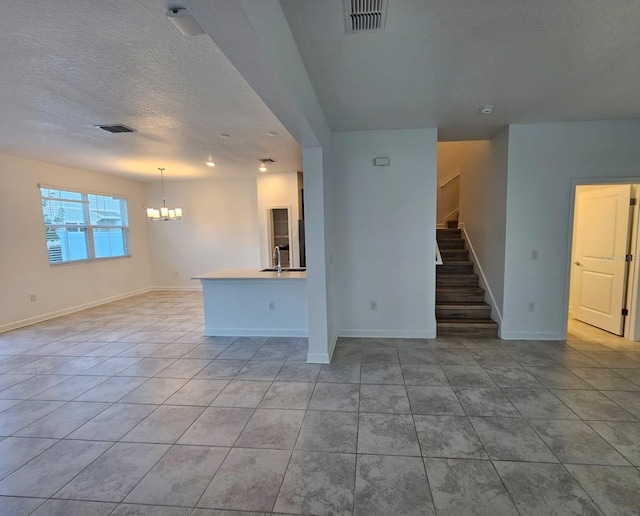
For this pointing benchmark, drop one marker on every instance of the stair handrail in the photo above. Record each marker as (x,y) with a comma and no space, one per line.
(457,174)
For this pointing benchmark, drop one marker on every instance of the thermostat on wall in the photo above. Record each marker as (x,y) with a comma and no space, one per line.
(381,162)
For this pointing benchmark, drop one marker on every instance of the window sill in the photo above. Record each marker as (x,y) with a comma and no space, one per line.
(88,260)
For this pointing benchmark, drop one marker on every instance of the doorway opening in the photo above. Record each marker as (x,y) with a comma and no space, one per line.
(603,280)
(280,232)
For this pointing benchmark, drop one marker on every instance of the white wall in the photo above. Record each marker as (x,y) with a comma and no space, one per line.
(483,191)
(24,265)
(384,232)
(544,161)
(278,190)
(219,229)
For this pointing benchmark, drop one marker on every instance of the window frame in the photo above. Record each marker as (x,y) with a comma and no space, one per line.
(87,226)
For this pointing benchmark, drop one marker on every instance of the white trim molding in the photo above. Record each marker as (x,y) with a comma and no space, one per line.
(318,358)
(255,332)
(483,279)
(531,335)
(323,358)
(390,334)
(451,178)
(179,289)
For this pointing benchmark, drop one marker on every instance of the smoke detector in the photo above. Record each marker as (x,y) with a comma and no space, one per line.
(365,15)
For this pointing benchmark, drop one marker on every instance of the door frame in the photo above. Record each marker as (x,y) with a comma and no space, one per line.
(294,253)
(632,323)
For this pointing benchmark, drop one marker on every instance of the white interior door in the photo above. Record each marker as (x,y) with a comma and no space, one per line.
(600,268)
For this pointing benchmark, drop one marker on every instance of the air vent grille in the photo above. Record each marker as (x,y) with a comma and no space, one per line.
(365,15)
(116,128)
(267,160)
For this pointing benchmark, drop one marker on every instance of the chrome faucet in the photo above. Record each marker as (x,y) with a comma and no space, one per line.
(276,254)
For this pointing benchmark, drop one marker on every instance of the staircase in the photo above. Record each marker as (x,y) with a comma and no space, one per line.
(460,306)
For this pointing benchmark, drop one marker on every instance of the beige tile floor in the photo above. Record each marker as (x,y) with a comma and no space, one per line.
(126,409)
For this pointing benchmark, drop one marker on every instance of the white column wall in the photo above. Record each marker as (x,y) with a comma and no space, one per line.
(384,241)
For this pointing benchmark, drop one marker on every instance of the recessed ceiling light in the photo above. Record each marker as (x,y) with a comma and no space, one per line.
(272,133)
(210,163)
(486,110)
(224,135)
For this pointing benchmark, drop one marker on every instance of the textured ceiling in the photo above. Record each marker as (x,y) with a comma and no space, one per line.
(439,61)
(68,65)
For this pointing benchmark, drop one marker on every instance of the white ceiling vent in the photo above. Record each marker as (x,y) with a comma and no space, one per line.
(365,15)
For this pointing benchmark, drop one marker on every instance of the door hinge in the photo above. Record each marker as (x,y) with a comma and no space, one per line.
(633,201)
(625,311)
(628,258)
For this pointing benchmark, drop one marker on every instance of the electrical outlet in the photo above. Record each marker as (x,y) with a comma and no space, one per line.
(33,298)
(272,306)
(532,306)
(534,254)
(374,306)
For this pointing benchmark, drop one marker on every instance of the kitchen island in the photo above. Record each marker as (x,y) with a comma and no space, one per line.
(251,302)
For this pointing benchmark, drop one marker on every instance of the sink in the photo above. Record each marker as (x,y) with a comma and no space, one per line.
(284,269)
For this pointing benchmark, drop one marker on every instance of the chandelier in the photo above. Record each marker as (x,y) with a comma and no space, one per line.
(164,213)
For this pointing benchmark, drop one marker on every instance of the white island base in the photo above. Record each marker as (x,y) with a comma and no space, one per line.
(248,302)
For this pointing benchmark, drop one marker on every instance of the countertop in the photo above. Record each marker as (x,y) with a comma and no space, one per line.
(250,273)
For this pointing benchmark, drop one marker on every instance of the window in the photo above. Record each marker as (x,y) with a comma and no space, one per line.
(82,226)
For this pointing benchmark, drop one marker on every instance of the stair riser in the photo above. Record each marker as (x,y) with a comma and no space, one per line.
(455,281)
(481,312)
(481,333)
(457,255)
(452,224)
(454,243)
(448,233)
(450,268)
(458,297)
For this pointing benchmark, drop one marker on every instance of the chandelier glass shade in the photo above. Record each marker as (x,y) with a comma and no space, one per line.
(164,213)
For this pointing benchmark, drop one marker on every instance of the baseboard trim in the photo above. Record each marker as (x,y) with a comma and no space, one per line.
(389,334)
(255,332)
(483,278)
(323,358)
(332,347)
(525,335)
(318,358)
(178,289)
(66,311)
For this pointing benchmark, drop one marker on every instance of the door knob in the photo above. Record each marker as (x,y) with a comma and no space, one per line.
(578,263)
